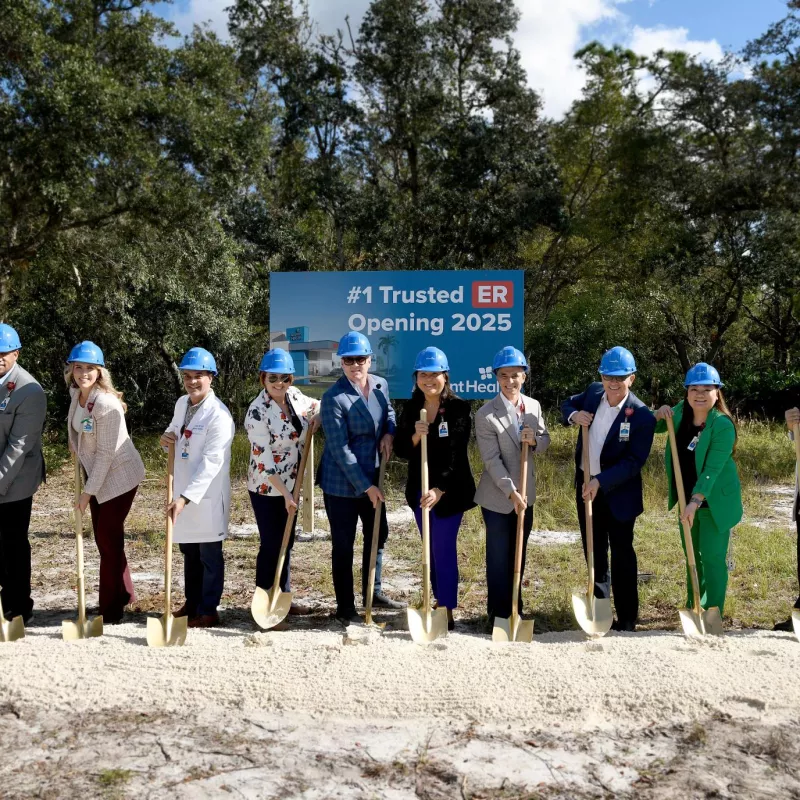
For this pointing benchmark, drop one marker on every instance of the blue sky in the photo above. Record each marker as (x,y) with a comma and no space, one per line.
(550,31)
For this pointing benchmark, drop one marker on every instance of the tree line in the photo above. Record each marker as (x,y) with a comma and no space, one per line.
(150,183)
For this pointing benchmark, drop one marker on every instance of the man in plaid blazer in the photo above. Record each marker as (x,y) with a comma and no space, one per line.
(359,421)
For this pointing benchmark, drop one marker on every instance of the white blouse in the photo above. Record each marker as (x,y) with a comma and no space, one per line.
(275,445)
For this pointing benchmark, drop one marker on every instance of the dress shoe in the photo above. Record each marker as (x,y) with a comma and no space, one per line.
(786,625)
(184,611)
(26,618)
(299,610)
(451,623)
(380,600)
(204,621)
(624,626)
(351,618)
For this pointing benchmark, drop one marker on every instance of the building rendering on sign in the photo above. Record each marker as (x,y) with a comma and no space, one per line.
(311,359)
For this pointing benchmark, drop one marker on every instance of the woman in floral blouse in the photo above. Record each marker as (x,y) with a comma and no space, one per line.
(277,424)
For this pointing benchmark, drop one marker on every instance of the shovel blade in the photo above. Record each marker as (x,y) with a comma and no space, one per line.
(505,630)
(427,627)
(12,630)
(706,623)
(796,622)
(593,614)
(166,631)
(89,629)
(270,608)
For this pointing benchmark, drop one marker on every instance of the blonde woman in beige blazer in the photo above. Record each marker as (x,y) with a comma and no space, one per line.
(113,469)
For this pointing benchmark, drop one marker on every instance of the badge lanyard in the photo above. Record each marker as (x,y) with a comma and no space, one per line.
(87,423)
(187,434)
(693,444)
(521,418)
(11,385)
(443,432)
(625,427)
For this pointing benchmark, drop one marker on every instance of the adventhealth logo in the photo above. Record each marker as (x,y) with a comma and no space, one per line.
(479,387)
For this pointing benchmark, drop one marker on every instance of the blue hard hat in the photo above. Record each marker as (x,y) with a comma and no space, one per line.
(277,361)
(703,374)
(617,361)
(354,344)
(509,357)
(431,359)
(199,359)
(86,353)
(9,339)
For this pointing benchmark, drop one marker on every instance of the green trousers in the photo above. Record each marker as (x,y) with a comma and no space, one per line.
(711,556)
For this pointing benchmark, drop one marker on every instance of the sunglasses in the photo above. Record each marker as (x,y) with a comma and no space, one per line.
(349,361)
(613,378)
(279,378)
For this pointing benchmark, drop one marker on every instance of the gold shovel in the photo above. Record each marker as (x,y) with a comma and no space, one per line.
(696,621)
(516,629)
(373,553)
(271,607)
(166,631)
(426,624)
(11,630)
(796,611)
(594,614)
(82,628)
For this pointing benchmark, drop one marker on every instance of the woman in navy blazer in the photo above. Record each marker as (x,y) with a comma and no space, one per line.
(359,422)
(450,477)
(622,428)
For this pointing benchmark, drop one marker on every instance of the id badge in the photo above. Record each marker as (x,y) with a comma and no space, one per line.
(443,430)
(624,431)
(4,404)
(87,425)
(693,443)
(185,454)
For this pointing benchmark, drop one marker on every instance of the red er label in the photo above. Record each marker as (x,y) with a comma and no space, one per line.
(492,294)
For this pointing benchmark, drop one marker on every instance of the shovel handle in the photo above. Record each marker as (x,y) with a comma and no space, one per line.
(523,490)
(373,551)
(79,540)
(587,504)
(796,431)
(287,529)
(168,543)
(687,531)
(426,522)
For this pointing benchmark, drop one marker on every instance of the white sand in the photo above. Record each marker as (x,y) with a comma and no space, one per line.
(622,679)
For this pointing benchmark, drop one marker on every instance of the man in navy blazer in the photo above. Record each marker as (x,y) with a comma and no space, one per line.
(359,422)
(621,430)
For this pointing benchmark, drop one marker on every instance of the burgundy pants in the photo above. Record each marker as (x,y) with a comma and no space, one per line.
(116,586)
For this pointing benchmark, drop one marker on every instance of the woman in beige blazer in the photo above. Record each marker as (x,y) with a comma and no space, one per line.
(113,468)
(501,427)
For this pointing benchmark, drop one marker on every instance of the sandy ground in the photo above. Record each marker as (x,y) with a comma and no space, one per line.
(319,711)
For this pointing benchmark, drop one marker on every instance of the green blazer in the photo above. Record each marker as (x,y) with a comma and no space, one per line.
(717,476)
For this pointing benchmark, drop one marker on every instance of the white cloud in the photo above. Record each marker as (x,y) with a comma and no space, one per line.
(548,36)
(647,41)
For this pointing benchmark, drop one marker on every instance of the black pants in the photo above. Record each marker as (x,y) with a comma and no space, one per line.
(15,557)
(618,534)
(343,515)
(796,602)
(271,519)
(501,550)
(204,577)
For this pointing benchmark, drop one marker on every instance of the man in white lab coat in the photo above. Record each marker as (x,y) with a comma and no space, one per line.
(202,430)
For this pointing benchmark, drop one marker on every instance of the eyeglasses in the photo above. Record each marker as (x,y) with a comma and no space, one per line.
(348,361)
(614,378)
(279,378)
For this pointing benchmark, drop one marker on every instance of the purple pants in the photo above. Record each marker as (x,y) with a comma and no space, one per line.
(444,556)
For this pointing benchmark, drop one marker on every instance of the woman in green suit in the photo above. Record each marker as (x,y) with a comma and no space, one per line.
(706,438)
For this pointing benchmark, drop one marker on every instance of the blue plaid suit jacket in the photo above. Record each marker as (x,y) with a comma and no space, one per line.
(347,468)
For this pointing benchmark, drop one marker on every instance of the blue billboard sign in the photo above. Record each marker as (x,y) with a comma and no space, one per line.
(469,315)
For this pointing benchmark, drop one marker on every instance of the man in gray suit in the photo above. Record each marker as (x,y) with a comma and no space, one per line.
(501,427)
(23,407)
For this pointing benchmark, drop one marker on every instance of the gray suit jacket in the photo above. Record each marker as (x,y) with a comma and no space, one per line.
(495,430)
(21,424)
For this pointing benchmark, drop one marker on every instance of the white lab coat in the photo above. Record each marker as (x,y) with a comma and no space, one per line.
(203,477)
